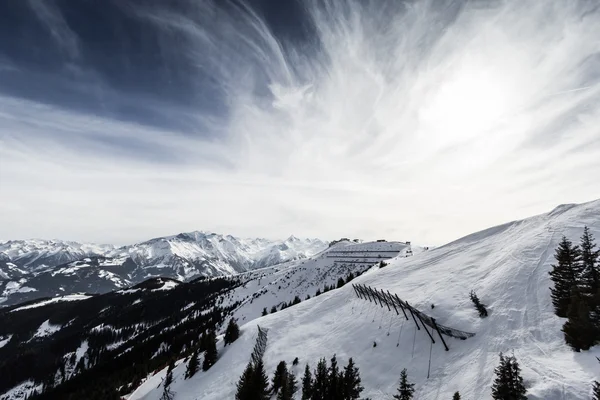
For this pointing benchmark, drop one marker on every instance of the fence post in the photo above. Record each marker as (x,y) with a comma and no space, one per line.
(386,300)
(373,294)
(355,291)
(400,304)
(424,327)
(439,333)
(367,293)
(392,300)
(413,315)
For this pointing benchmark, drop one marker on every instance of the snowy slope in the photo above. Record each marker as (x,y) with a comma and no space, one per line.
(276,285)
(508,267)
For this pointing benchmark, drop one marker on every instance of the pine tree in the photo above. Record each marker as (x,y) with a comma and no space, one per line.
(280,376)
(456,396)
(596,391)
(264,311)
(579,330)
(260,382)
(320,383)
(288,388)
(589,262)
(245,386)
(333,380)
(307,384)
(210,354)
(273,309)
(508,384)
(480,307)
(405,389)
(351,382)
(192,366)
(167,392)
(232,332)
(566,276)
(517,386)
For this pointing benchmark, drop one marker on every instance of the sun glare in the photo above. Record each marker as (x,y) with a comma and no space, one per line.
(466,106)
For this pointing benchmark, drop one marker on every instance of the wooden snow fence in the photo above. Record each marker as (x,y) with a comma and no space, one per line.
(386,299)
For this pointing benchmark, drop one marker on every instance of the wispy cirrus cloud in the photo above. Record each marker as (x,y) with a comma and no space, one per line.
(423,120)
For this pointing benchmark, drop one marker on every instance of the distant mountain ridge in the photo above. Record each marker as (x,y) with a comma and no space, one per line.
(40,268)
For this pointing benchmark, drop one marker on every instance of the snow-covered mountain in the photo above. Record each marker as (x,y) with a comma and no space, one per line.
(36,254)
(32,269)
(506,265)
(209,254)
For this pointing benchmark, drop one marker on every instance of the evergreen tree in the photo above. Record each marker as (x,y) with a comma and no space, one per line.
(320,383)
(589,263)
(210,354)
(351,387)
(273,309)
(334,381)
(260,382)
(456,396)
(280,376)
(288,388)
(264,311)
(295,362)
(232,332)
(245,386)
(307,384)
(405,389)
(192,366)
(508,384)
(480,307)
(565,274)
(296,300)
(167,392)
(580,332)
(596,388)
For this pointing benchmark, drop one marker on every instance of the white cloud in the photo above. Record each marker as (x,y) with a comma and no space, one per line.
(398,123)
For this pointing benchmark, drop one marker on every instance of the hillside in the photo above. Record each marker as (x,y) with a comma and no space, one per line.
(508,267)
(118,337)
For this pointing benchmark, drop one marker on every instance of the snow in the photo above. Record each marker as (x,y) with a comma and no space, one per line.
(70,297)
(506,265)
(22,390)
(46,329)
(167,285)
(4,340)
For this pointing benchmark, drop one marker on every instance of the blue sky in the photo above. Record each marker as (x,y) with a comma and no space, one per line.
(423,121)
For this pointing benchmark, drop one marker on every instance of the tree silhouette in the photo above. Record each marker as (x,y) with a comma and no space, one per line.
(405,389)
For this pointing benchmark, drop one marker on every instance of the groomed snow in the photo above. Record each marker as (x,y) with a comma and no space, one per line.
(508,268)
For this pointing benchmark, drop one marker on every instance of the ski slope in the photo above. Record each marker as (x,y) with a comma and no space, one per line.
(508,268)
(276,285)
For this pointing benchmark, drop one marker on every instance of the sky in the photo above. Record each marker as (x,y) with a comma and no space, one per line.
(122,120)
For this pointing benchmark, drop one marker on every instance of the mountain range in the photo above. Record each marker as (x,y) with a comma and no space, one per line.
(118,345)
(31,269)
